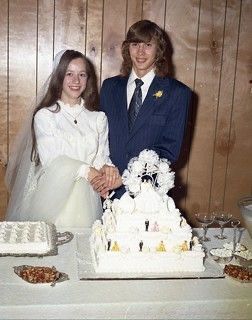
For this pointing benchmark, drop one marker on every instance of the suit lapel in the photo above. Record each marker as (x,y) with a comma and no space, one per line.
(121,103)
(151,103)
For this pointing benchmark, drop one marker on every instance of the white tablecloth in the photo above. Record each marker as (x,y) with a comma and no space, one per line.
(119,299)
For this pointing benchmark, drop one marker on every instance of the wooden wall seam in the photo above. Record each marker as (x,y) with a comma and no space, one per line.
(217,111)
(234,80)
(193,102)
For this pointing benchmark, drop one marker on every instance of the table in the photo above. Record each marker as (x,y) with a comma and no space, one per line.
(120,299)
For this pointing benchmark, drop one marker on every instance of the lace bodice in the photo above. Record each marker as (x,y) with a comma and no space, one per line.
(58,134)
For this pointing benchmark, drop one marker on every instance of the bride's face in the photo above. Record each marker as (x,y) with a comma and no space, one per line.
(75,82)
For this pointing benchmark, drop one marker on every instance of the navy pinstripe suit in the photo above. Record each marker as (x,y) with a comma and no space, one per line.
(159,125)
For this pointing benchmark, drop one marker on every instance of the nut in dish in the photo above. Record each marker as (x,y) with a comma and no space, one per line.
(238,273)
(38,274)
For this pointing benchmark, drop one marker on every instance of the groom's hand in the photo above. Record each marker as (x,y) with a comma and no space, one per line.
(99,183)
(111,174)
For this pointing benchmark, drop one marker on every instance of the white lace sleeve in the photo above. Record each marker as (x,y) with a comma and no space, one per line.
(102,156)
(48,144)
(83,172)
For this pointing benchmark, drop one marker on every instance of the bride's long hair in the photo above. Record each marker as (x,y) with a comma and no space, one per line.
(54,91)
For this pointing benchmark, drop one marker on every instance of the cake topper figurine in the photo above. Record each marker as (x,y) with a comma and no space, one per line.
(181,220)
(184,246)
(161,246)
(155,227)
(115,247)
(109,244)
(147,223)
(141,246)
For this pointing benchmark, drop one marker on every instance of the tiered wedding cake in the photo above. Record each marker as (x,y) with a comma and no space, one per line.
(143,232)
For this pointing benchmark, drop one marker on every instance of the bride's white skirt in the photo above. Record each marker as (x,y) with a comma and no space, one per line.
(54,195)
(82,208)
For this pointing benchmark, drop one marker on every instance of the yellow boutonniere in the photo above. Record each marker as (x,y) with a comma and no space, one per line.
(158,94)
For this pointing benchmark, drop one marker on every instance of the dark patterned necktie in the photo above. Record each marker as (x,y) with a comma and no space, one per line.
(135,103)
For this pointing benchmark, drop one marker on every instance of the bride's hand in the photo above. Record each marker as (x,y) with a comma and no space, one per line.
(111,175)
(93,173)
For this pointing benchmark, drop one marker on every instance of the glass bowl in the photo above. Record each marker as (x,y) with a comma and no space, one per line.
(245,206)
(238,247)
(221,255)
(244,258)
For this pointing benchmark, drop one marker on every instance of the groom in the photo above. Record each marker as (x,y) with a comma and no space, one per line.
(146,109)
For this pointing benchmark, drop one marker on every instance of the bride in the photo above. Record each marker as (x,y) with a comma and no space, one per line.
(67,147)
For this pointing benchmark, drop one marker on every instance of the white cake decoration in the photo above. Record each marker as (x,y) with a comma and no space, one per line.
(144,232)
(25,237)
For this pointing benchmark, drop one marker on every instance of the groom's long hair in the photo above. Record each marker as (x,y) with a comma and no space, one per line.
(145,31)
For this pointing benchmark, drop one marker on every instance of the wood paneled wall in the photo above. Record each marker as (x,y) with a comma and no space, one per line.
(211,42)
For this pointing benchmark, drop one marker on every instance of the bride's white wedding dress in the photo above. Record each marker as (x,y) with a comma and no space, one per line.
(68,143)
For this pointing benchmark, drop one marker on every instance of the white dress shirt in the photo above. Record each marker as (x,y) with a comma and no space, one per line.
(131,85)
(86,140)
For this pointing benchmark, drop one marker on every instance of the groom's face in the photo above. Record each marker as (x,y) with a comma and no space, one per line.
(143,56)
